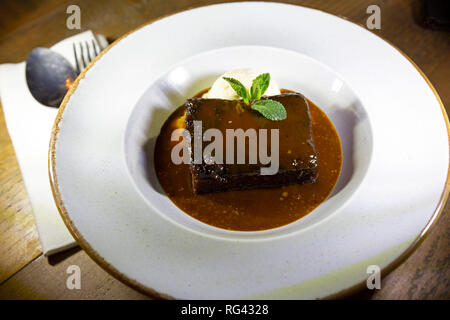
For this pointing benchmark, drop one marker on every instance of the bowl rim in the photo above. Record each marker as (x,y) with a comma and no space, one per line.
(158,295)
(214,232)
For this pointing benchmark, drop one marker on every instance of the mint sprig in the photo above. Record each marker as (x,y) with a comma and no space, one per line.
(259,86)
(239,88)
(270,109)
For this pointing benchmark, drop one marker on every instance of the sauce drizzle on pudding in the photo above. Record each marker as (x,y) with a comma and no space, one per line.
(257,209)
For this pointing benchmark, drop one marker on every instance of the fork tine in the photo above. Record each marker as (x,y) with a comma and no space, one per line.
(77,63)
(88,51)
(84,59)
(95,48)
(82,56)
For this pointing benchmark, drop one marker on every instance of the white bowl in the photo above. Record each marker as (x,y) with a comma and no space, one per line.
(292,71)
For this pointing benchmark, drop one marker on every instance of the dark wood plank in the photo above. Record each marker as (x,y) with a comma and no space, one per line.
(16,14)
(46,279)
(18,235)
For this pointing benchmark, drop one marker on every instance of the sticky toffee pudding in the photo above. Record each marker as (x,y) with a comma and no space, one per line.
(235,196)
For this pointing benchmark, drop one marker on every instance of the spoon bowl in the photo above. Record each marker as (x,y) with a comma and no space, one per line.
(49,75)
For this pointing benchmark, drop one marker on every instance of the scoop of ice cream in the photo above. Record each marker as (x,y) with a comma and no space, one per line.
(221,89)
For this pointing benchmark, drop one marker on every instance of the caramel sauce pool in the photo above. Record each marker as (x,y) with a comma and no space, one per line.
(257,209)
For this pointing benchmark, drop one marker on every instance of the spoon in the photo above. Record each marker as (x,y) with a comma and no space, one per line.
(49,75)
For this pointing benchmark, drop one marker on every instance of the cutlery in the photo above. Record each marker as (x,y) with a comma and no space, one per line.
(49,75)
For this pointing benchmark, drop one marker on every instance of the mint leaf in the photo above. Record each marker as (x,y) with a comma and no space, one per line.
(259,86)
(271,109)
(239,88)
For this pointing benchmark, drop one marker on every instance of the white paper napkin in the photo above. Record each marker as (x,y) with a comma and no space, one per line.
(29,124)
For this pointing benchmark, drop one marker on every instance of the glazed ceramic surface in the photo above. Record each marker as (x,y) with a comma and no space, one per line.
(391,123)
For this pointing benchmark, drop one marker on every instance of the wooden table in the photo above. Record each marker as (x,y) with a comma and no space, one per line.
(26,274)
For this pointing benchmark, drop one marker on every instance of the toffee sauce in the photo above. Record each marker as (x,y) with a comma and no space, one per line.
(257,209)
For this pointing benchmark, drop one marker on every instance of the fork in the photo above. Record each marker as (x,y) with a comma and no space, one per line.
(85,58)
